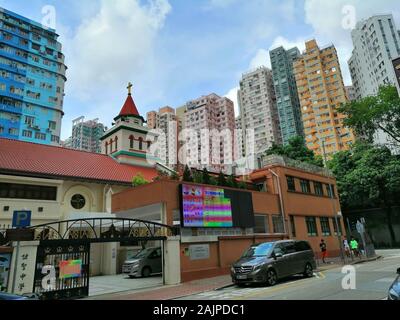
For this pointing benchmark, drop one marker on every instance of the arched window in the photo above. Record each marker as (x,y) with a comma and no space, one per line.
(111,145)
(116,143)
(148,144)
(106,147)
(140,143)
(131,140)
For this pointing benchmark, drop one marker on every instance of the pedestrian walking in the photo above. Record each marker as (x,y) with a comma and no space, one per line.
(346,247)
(354,246)
(324,251)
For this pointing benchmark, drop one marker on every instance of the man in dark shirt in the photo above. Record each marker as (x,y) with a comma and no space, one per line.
(324,252)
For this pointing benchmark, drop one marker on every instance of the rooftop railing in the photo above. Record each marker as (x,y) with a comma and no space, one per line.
(287,162)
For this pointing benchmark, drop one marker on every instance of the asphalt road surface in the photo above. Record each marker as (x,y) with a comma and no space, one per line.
(373,280)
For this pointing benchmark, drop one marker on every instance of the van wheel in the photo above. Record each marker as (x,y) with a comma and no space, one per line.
(272,278)
(308,271)
(146,272)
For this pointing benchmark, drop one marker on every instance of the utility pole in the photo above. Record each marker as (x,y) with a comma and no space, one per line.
(333,205)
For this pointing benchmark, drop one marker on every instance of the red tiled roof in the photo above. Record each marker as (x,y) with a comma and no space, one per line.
(56,162)
(129,108)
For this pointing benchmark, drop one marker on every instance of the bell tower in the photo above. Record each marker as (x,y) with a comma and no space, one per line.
(129,140)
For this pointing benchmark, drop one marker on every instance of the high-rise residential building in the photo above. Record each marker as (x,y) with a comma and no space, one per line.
(86,135)
(376,42)
(209,138)
(396,67)
(32,78)
(350,93)
(287,98)
(258,111)
(321,91)
(239,139)
(166,120)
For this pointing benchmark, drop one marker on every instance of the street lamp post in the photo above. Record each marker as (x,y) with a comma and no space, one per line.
(334,206)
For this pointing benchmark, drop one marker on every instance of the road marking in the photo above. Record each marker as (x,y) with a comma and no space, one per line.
(388,280)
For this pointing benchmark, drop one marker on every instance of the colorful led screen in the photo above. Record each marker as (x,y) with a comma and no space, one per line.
(70,269)
(205,207)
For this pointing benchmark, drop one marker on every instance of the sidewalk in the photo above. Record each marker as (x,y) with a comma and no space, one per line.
(337,262)
(171,292)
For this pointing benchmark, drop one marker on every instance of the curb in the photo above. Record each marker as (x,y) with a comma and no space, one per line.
(368,260)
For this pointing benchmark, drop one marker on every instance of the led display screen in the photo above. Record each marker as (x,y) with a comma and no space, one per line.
(70,269)
(205,207)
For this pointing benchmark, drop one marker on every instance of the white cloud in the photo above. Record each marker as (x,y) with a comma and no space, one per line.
(220,3)
(232,95)
(260,59)
(109,49)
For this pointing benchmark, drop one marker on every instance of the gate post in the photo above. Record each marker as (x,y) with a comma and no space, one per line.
(23,267)
(172,261)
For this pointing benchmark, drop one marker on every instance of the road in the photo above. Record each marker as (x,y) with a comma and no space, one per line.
(372,282)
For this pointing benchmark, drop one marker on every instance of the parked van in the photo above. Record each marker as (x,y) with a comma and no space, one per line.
(270,261)
(145,263)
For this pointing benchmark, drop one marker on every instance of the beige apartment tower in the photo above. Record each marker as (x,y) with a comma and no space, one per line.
(321,91)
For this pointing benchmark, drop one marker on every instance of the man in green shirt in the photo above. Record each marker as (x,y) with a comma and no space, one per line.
(354,246)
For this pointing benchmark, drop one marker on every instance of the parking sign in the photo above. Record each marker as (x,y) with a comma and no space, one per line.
(21,219)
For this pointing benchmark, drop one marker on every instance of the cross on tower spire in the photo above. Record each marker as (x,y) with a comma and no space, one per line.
(129,87)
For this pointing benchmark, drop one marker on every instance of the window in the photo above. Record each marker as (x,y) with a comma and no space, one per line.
(302,246)
(116,143)
(277,224)
(140,143)
(40,136)
(335,226)
(325,228)
(1,130)
(291,183)
(55,139)
(318,189)
(32,192)
(131,140)
(261,224)
(52,125)
(329,190)
(305,186)
(292,226)
(289,247)
(27,133)
(311,223)
(13,131)
(30,121)
(78,201)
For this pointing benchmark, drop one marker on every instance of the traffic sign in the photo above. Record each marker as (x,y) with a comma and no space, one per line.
(21,219)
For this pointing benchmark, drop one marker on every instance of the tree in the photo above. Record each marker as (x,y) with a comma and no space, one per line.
(175,176)
(232,182)
(297,150)
(198,177)
(368,176)
(381,112)
(242,185)
(206,176)
(187,175)
(139,180)
(222,179)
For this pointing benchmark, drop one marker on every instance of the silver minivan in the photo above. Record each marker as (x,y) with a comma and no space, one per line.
(144,264)
(270,261)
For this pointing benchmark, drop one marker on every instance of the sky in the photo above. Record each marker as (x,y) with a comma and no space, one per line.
(174,51)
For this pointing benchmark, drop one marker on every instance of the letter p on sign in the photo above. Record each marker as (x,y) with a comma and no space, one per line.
(21,219)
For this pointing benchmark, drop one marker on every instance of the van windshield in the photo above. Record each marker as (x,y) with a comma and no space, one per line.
(144,253)
(262,250)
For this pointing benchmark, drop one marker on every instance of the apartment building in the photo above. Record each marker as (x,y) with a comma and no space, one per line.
(321,91)
(86,135)
(170,125)
(32,78)
(376,42)
(287,98)
(209,135)
(259,111)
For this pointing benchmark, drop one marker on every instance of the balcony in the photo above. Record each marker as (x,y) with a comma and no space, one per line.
(287,162)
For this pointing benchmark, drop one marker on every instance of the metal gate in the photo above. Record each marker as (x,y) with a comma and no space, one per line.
(62,270)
